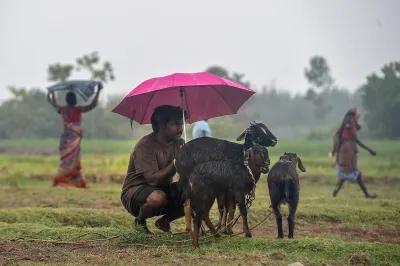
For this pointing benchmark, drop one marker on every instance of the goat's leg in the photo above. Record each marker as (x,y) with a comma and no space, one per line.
(278,216)
(201,204)
(231,213)
(188,219)
(202,230)
(243,211)
(188,216)
(223,220)
(292,214)
(197,224)
(221,210)
(210,225)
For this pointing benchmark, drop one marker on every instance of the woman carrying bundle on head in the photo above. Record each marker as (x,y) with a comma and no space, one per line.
(345,149)
(69,173)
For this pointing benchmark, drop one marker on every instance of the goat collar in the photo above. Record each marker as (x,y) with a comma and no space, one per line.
(246,163)
(244,153)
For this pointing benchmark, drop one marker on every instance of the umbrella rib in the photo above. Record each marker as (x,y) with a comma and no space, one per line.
(187,111)
(222,98)
(152,96)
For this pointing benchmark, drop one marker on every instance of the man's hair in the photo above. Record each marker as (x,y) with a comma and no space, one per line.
(164,114)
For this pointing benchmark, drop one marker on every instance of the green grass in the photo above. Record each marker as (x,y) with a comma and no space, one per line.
(302,147)
(335,231)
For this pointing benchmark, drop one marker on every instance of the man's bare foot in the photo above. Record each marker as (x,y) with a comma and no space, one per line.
(143,227)
(163,225)
(371,196)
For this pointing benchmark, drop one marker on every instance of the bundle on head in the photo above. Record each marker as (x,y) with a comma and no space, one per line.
(208,149)
(284,187)
(231,179)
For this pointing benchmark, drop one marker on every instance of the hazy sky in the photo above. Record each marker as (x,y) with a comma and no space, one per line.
(265,39)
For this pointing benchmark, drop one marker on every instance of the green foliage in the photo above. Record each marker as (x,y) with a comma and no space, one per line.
(59,72)
(319,77)
(223,73)
(218,71)
(16,180)
(88,62)
(381,100)
(319,73)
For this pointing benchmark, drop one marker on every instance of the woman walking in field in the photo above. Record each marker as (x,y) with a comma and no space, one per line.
(69,173)
(345,149)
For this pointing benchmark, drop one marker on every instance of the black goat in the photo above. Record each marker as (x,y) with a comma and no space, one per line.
(208,149)
(233,179)
(284,187)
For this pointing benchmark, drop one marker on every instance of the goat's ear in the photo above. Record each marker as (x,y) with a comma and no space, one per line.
(300,165)
(243,135)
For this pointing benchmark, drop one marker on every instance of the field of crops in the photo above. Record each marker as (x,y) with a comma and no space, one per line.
(42,224)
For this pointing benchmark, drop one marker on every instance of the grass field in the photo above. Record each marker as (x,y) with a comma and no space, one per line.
(345,230)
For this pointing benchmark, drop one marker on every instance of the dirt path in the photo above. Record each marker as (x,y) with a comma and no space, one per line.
(325,230)
(38,252)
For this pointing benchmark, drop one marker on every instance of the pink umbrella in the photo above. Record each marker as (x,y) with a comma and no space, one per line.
(203,95)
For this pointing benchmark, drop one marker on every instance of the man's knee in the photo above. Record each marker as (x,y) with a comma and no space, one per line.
(157,198)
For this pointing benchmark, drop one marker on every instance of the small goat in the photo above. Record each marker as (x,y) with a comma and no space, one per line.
(284,187)
(208,149)
(233,179)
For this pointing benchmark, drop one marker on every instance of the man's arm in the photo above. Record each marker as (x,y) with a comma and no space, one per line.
(146,162)
(160,177)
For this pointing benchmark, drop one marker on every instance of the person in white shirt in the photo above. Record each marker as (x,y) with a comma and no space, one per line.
(201,129)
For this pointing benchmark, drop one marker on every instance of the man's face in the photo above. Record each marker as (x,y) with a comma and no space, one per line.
(173,130)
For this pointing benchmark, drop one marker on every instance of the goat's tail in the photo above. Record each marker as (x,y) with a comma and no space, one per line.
(287,190)
(291,190)
(183,187)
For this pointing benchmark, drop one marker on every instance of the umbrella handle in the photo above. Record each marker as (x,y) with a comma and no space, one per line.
(183,114)
(184,124)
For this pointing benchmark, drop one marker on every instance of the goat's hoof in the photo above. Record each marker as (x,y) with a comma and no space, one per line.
(248,235)
(217,235)
(228,233)
(280,237)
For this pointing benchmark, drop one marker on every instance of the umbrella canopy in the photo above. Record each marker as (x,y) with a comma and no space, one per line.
(85,88)
(203,95)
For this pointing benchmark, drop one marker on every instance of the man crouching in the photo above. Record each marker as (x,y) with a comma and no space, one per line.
(148,190)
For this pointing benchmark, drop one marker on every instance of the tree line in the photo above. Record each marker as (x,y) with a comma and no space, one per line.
(314,115)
